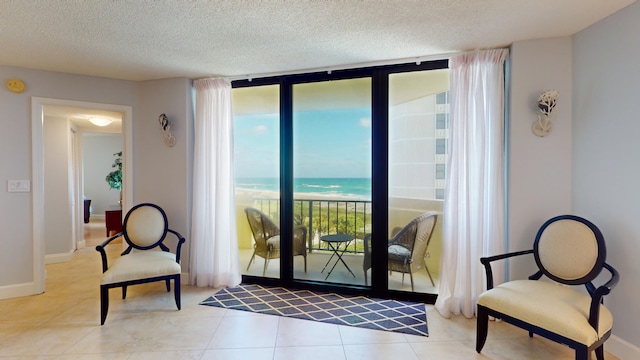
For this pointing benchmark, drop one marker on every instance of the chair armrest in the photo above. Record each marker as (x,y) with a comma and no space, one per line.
(181,241)
(486,261)
(596,296)
(103,254)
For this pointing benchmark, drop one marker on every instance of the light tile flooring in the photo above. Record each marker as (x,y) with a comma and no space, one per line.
(63,323)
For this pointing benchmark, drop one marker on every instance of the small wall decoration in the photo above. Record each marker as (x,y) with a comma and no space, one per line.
(15,85)
(546,103)
(165,124)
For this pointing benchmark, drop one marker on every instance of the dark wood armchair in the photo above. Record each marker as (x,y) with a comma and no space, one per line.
(145,229)
(570,251)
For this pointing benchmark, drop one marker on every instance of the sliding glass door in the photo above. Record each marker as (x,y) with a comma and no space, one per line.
(331,166)
(331,179)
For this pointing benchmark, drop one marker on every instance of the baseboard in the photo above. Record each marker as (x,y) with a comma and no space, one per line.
(621,349)
(97,217)
(58,258)
(81,244)
(18,290)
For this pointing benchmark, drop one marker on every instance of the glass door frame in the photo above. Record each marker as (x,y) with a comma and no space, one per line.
(379,177)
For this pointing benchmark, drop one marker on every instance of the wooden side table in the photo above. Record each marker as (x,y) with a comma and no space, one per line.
(113,219)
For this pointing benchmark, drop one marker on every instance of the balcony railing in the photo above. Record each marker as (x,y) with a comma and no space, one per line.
(322,217)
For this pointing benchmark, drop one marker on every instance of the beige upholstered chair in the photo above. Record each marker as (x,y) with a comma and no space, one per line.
(407,247)
(266,235)
(569,250)
(146,258)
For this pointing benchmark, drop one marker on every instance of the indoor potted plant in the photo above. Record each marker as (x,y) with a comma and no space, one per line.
(114,178)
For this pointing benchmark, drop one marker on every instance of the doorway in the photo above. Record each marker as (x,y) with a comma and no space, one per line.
(38,106)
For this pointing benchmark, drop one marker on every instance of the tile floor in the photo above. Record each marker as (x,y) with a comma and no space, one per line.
(63,323)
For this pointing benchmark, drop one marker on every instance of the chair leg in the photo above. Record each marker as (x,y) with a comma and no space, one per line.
(266,262)
(168,282)
(482,327)
(104,304)
(124,292)
(366,279)
(176,290)
(600,352)
(582,353)
(429,273)
(251,260)
(305,262)
(411,277)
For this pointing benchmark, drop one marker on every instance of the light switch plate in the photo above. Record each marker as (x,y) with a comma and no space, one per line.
(18,186)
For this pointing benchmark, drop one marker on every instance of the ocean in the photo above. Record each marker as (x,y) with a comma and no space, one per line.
(359,188)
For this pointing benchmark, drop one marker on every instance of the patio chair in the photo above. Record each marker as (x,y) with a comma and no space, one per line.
(266,235)
(146,258)
(407,247)
(569,250)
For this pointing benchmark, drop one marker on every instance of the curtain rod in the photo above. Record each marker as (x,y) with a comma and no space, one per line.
(329,69)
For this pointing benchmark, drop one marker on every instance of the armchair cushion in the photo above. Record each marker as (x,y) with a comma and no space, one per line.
(399,253)
(550,306)
(273,243)
(140,265)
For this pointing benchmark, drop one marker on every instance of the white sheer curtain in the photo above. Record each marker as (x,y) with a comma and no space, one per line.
(474,197)
(214,242)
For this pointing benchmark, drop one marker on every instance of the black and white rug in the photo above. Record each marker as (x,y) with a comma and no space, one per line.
(379,314)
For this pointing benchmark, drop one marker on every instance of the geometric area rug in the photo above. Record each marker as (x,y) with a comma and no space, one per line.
(360,311)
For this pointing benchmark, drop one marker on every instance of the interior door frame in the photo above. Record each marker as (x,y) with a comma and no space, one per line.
(37,164)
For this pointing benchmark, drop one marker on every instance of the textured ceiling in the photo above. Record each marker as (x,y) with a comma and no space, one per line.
(148,39)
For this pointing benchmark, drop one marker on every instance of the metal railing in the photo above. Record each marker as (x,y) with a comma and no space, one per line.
(322,217)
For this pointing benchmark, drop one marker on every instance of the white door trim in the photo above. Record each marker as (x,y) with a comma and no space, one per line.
(37,168)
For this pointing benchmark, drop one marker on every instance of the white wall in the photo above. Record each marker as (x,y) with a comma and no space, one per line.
(57,201)
(163,174)
(97,158)
(586,165)
(606,129)
(539,168)
(16,213)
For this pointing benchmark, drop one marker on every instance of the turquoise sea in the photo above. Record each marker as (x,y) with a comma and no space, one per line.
(343,187)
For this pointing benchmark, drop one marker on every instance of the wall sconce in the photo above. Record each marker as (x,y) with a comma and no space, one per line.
(165,124)
(546,103)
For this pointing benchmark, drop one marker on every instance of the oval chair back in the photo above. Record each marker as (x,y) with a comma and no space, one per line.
(570,250)
(145,226)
